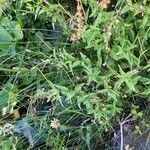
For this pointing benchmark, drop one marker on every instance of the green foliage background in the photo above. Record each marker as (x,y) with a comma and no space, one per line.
(104,76)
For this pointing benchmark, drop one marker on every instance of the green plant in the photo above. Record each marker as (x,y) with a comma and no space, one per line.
(90,82)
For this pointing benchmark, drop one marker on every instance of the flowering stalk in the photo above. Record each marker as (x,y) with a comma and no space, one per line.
(79,22)
(103,3)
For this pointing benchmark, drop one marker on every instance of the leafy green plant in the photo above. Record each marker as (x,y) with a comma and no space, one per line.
(88,83)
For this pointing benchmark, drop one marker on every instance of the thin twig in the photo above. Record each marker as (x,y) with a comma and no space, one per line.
(121,123)
(121,134)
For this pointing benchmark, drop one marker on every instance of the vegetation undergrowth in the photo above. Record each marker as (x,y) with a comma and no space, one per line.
(75,69)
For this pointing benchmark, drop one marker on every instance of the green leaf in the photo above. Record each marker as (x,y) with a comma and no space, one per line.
(146,91)
(38,38)
(140,114)
(9,31)
(63,89)
(10,51)
(18,32)
(134,112)
(85,59)
(5,39)
(8,96)
(14,28)
(128,78)
(125,9)
(37,11)
(144,22)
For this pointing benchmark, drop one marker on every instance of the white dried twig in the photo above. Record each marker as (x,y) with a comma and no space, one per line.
(121,123)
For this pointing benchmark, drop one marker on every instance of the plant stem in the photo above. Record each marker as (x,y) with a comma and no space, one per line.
(121,132)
